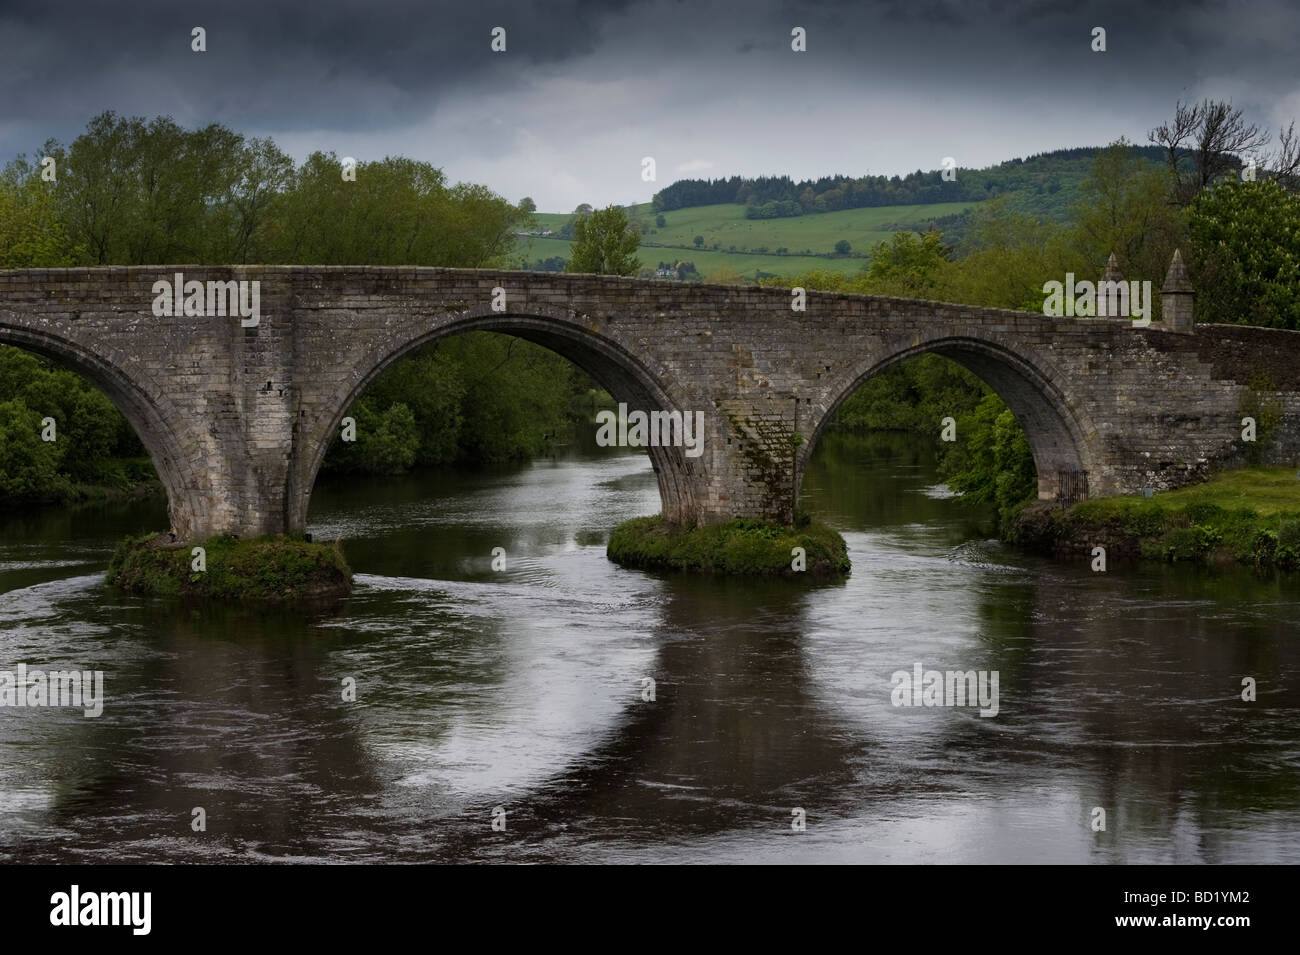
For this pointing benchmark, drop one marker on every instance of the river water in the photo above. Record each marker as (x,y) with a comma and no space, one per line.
(520,695)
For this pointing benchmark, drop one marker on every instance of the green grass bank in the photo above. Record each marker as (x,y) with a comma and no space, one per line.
(269,570)
(740,547)
(1249,516)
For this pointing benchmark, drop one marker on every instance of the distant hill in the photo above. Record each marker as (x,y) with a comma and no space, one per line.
(777,226)
(1055,175)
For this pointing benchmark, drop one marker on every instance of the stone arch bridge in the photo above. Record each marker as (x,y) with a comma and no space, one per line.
(237,417)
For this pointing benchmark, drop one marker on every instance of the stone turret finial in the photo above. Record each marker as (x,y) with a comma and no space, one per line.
(1112,273)
(1176,279)
(1177,296)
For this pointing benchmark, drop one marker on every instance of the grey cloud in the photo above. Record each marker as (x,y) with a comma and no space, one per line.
(586,87)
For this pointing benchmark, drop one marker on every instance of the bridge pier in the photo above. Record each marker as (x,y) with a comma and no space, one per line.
(232,490)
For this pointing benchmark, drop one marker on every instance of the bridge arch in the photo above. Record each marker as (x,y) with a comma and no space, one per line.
(106,369)
(628,378)
(1055,427)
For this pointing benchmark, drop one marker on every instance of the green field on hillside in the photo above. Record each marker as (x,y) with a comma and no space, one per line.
(713,266)
(734,244)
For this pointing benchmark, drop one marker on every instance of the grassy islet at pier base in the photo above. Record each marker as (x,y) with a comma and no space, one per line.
(265,570)
(741,547)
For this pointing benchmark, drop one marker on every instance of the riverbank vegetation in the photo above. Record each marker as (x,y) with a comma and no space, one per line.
(61,440)
(1248,516)
(263,570)
(740,547)
(471,400)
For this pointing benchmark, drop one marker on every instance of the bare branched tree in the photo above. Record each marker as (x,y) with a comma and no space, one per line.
(1284,164)
(1205,142)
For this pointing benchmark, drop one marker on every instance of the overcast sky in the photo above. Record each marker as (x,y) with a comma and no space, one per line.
(585,90)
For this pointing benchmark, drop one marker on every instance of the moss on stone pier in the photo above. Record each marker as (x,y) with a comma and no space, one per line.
(266,570)
(740,547)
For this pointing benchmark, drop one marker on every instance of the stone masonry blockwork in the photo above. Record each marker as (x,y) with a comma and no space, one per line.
(237,419)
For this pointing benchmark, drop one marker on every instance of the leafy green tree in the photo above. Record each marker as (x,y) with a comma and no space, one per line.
(431,384)
(32,235)
(911,396)
(843,247)
(603,244)
(387,440)
(131,192)
(96,193)
(1245,254)
(89,429)
(1011,256)
(243,212)
(908,265)
(397,212)
(475,398)
(994,465)
(661,221)
(29,467)
(1126,210)
(516,396)
(137,193)
(698,240)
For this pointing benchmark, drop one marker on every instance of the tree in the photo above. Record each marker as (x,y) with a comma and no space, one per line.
(28,465)
(516,394)
(603,244)
(31,233)
(527,213)
(90,429)
(1284,165)
(1244,256)
(261,174)
(1126,210)
(843,247)
(1207,137)
(138,193)
(387,441)
(660,221)
(398,211)
(698,240)
(907,266)
(995,464)
(566,230)
(1010,257)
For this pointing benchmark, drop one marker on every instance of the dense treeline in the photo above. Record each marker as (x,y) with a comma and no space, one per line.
(1046,174)
(133,192)
(450,403)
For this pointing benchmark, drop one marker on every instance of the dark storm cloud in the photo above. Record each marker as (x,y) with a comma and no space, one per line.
(586,89)
(295,65)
